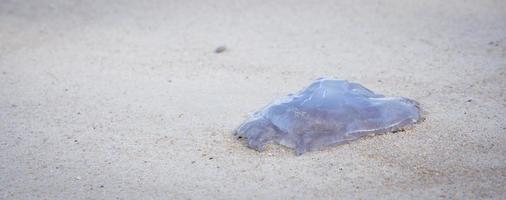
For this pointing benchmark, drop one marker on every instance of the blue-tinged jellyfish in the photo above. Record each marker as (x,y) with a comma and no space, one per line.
(327,112)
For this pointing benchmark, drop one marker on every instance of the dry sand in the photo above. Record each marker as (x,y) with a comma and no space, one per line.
(127,100)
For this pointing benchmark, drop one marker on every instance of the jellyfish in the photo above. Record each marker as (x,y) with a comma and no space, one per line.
(327,112)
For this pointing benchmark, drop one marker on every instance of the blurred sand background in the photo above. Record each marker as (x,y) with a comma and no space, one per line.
(127,100)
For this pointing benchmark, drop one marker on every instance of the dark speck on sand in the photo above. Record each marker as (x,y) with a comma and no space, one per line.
(220,49)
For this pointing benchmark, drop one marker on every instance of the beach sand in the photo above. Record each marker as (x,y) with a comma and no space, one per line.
(128,99)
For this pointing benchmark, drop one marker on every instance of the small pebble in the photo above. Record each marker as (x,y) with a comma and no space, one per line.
(220,49)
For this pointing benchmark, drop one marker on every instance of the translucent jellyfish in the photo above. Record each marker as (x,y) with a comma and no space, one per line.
(327,112)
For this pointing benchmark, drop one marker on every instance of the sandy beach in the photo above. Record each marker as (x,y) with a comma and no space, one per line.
(128,99)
